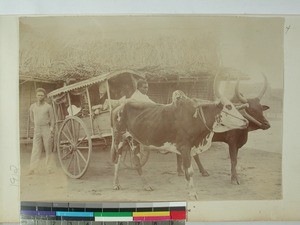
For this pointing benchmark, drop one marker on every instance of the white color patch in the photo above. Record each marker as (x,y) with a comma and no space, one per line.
(169,147)
(113,219)
(204,145)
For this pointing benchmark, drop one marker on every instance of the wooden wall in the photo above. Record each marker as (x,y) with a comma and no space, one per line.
(161,92)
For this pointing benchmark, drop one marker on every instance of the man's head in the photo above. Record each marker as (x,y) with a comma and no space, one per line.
(142,86)
(40,94)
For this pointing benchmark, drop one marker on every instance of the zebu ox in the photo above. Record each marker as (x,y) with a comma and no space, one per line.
(252,110)
(185,124)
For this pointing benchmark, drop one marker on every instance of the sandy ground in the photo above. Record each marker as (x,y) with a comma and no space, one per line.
(259,169)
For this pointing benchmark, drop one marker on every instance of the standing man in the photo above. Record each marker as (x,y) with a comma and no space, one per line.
(140,93)
(41,114)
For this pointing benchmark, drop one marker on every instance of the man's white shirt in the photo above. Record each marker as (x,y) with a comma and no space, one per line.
(138,96)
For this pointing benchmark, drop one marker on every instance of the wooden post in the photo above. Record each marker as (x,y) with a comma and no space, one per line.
(109,103)
(108,96)
(90,109)
(70,105)
(55,126)
(54,110)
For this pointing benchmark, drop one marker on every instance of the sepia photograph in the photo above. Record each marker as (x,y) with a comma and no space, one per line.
(151,108)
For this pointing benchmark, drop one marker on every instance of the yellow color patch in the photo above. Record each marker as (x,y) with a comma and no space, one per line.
(145,214)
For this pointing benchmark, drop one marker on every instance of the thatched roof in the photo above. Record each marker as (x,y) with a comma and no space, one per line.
(49,55)
(82,53)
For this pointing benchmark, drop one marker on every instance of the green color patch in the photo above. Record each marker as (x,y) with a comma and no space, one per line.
(113,214)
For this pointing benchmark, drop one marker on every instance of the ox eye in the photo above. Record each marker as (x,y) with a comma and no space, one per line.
(229,107)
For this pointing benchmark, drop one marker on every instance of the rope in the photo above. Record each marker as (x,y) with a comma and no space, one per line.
(202,117)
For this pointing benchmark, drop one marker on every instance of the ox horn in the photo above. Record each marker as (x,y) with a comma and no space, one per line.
(237,92)
(216,87)
(263,91)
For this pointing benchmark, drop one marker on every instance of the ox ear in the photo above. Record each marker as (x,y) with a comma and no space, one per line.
(265,107)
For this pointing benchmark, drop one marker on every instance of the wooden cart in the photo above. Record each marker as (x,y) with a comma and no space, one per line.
(82,113)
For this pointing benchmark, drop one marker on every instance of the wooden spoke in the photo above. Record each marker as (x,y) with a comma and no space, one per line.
(80,154)
(83,147)
(69,132)
(81,141)
(70,152)
(63,146)
(66,136)
(74,164)
(78,163)
(73,128)
(70,161)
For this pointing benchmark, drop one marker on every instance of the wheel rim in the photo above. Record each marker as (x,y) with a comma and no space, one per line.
(127,154)
(74,147)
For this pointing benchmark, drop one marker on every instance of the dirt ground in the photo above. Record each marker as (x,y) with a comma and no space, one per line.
(259,168)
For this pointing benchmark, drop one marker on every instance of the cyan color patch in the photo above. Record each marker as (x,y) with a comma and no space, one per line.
(75,214)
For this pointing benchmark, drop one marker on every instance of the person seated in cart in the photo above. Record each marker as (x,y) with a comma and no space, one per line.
(140,93)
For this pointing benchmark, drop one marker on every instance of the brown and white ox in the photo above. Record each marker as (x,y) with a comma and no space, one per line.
(252,110)
(184,124)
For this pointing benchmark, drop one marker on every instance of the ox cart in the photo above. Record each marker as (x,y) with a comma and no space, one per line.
(82,114)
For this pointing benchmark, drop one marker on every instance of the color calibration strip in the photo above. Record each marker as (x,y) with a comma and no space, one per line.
(137,213)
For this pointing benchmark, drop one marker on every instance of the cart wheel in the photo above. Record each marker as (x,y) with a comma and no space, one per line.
(74,147)
(128,153)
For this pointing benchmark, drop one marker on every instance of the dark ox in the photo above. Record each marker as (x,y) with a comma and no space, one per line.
(252,110)
(185,123)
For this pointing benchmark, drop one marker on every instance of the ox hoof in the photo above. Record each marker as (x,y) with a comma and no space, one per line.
(117,187)
(148,188)
(193,196)
(204,173)
(180,173)
(234,180)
